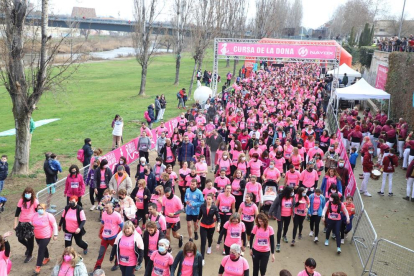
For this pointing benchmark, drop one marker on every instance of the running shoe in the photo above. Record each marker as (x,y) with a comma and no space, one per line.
(311,234)
(292,243)
(285,239)
(367,194)
(316,240)
(115,268)
(180,241)
(278,248)
(338,250)
(326,242)
(209,250)
(195,235)
(390,194)
(300,236)
(380,193)
(342,241)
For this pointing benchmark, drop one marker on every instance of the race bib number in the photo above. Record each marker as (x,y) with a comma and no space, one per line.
(288,204)
(68,236)
(169,158)
(107,232)
(300,212)
(225,209)
(124,259)
(262,242)
(158,271)
(243,141)
(292,184)
(333,216)
(74,185)
(312,189)
(247,217)
(102,185)
(287,155)
(150,252)
(235,234)
(315,213)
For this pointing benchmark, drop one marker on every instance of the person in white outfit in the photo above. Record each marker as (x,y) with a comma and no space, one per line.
(410,182)
(117,133)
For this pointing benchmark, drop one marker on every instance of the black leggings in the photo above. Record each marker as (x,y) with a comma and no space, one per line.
(335,227)
(182,194)
(298,221)
(42,252)
(226,250)
(78,240)
(127,270)
(202,183)
(315,221)
(223,220)
(260,260)
(28,243)
(99,196)
(239,200)
(140,215)
(92,195)
(206,235)
(144,154)
(283,223)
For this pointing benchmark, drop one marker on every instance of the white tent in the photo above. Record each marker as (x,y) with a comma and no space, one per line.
(351,73)
(362,90)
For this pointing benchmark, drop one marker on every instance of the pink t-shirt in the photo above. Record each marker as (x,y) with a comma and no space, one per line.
(286,210)
(27,210)
(316,204)
(329,182)
(308,178)
(300,210)
(154,199)
(71,221)
(221,183)
(187,265)
(335,214)
(184,172)
(254,189)
(225,203)
(4,260)
(161,221)
(262,238)
(66,269)
(140,196)
(169,156)
(224,165)
(292,179)
(296,160)
(234,233)
(235,154)
(127,255)
(172,206)
(279,163)
(304,273)
(111,224)
(236,268)
(201,167)
(188,179)
(287,151)
(208,191)
(248,212)
(271,174)
(255,167)
(162,264)
(43,225)
(235,186)
(153,243)
(243,167)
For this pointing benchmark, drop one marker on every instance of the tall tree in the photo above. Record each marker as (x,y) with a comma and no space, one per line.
(26,73)
(180,21)
(278,11)
(208,22)
(146,42)
(296,15)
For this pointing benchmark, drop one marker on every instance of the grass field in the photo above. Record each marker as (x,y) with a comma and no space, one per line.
(94,95)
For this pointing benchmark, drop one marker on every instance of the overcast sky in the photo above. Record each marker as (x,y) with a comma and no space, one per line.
(316,12)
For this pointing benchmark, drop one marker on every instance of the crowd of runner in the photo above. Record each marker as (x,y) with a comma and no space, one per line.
(272,158)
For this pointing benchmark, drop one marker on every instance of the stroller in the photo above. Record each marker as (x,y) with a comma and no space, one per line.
(269,195)
(3,201)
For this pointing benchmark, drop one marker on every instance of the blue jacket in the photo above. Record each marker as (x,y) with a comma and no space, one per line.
(338,184)
(151,182)
(151,113)
(4,170)
(196,199)
(185,152)
(321,206)
(353,158)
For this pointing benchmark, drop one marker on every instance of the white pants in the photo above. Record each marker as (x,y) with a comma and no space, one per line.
(410,188)
(355,145)
(391,145)
(406,155)
(346,143)
(375,145)
(410,158)
(161,114)
(401,148)
(384,179)
(364,184)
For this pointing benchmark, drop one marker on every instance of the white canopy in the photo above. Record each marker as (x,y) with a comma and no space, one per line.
(351,73)
(361,90)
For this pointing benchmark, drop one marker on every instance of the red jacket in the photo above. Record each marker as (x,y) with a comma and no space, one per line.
(74,186)
(367,164)
(389,162)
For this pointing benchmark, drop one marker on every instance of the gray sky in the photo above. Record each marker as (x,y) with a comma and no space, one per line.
(316,12)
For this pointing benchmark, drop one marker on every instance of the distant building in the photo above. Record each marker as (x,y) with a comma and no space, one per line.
(389,28)
(83,12)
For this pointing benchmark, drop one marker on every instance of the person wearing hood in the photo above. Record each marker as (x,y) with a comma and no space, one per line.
(151,115)
(74,185)
(73,221)
(70,264)
(120,180)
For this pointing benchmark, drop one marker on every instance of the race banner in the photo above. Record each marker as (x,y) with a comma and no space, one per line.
(381,80)
(276,50)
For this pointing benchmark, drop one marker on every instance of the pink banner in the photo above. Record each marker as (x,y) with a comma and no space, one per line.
(276,50)
(129,150)
(381,80)
(350,189)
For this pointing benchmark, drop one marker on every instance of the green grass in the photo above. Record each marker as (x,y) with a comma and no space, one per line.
(89,103)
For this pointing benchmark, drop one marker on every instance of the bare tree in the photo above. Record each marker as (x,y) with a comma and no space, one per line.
(271,17)
(208,17)
(296,15)
(182,13)
(146,41)
(26,72)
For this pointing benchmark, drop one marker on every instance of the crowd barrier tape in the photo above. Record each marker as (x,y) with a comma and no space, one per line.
(52,195)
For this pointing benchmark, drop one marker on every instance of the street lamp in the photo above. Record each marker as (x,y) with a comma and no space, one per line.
(402,18)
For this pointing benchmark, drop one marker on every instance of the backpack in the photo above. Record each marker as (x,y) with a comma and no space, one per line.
(156,222)
(178,96)
(147,117)
(81,155)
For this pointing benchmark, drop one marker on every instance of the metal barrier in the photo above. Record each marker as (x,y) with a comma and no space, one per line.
(364,238)
(53,195)
(391,259)
(331,116)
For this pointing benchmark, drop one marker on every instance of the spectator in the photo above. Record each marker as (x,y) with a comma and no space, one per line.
(157,107)
(151,115)
(117,133)
(163,104)
(54,164)
(87,154)
(4,171)
(180,96)
(345,79)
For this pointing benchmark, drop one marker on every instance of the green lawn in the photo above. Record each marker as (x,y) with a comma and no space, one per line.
(87,107)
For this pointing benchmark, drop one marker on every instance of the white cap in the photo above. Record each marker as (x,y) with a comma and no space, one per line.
(142,159)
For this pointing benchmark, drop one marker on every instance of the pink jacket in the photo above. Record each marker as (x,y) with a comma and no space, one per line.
(74,186)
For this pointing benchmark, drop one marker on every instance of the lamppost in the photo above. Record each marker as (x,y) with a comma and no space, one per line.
(402,18)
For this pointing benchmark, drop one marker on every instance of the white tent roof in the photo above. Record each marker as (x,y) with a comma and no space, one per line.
(346,69)
(361,90)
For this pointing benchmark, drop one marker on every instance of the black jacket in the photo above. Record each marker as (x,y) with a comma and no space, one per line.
(163,152)
(145,239)
(4,170)
(197,265)
(151,182)
(146,200)
(51,176)
(87,153)
(97,176)
(208,219)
